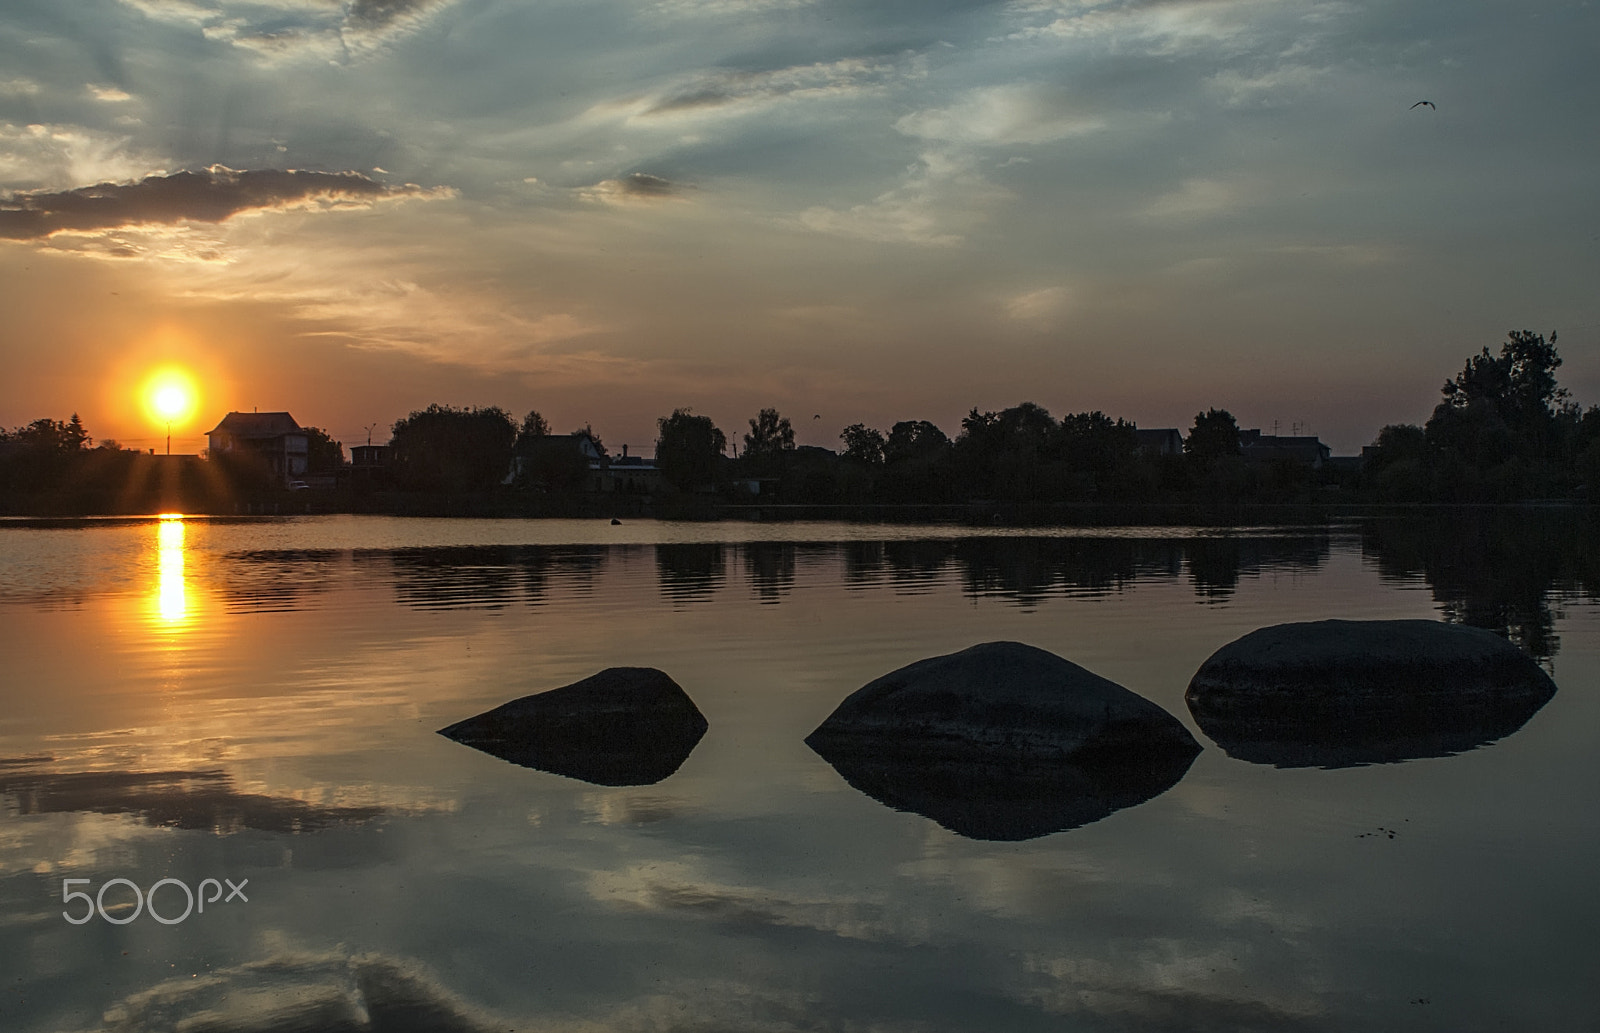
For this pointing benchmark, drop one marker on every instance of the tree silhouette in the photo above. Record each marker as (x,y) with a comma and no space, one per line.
(689,449)
(770,436)
(441,448)
(533,426)
(863,444)
(1215,434)
(914,439)
(1505,407)
(323,454)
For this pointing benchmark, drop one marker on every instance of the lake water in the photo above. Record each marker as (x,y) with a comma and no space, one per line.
(257,701)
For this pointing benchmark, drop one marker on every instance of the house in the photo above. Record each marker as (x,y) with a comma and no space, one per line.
(369,457)
(1168,441)
(561,462)
(634,474)
(273,436)
(1257,447)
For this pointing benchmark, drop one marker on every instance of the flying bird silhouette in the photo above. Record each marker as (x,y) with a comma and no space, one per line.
(818,416)
(1419,104)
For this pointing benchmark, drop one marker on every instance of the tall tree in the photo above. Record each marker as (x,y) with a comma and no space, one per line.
(74,436)
(323,454)
(1215,434)
(534,426)
(914,439)
(442,448)
(863,444)
(1504,407)
(770,435)
(689,449)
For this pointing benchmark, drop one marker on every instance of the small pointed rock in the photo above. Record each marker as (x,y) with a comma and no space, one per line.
(623,726)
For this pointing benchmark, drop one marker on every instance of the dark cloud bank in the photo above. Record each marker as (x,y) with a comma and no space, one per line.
(211,195)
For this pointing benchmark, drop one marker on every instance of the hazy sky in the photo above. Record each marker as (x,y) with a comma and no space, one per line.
(869,211)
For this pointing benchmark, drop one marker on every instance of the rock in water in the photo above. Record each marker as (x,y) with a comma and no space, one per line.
(626,726)
(1004,741)
(1342,693)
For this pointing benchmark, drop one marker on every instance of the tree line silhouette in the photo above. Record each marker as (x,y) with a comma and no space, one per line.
(1503,430)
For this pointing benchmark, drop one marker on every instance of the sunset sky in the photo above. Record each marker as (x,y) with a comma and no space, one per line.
(867,211)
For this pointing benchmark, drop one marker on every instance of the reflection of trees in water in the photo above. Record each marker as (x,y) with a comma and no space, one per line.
(770,568)
(483,576)
(1027,570)
(917,566)
(1217,563)
(1213,566)
(267,581)
(689,572)
(204,799)
(863,563)
(1505,571)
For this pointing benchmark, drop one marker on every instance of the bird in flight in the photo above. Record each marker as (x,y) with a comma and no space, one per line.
(818,416)
(1420,103)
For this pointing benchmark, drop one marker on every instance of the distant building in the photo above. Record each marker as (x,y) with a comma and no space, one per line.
(1257,447)
(634,474)
(369,456)
(369,465)
(562,462)
(1168,441)
(273,436)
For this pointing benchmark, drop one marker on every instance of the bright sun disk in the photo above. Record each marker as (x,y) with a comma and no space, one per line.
(170,396)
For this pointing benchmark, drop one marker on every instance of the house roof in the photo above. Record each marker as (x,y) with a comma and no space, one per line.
(257,425)
(1256,445)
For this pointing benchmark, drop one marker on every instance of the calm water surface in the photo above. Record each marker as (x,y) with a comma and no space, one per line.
(258,700)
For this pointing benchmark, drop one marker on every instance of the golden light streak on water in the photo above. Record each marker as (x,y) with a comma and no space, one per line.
(172,597)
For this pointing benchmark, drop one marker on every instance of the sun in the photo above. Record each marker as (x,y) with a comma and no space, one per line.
(170,396)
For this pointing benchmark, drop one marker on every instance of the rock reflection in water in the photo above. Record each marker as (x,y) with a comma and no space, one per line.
(1003,741)
(1336,694)
(1001,797)
(1310,741)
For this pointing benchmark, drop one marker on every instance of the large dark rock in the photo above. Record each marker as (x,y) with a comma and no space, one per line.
(1341,693)
(625,726)
(1004,741)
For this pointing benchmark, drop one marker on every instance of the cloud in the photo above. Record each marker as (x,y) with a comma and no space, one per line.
(634,188)
(1001,115)
(1164,26)
(298,28)
(734,88)
(55,157)
(724,8)
(109,94)
(1040,307)
(1196,199)
(937,201)
(213,195)
(1277,87)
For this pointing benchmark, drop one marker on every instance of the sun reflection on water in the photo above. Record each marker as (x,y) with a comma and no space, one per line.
(172,599)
